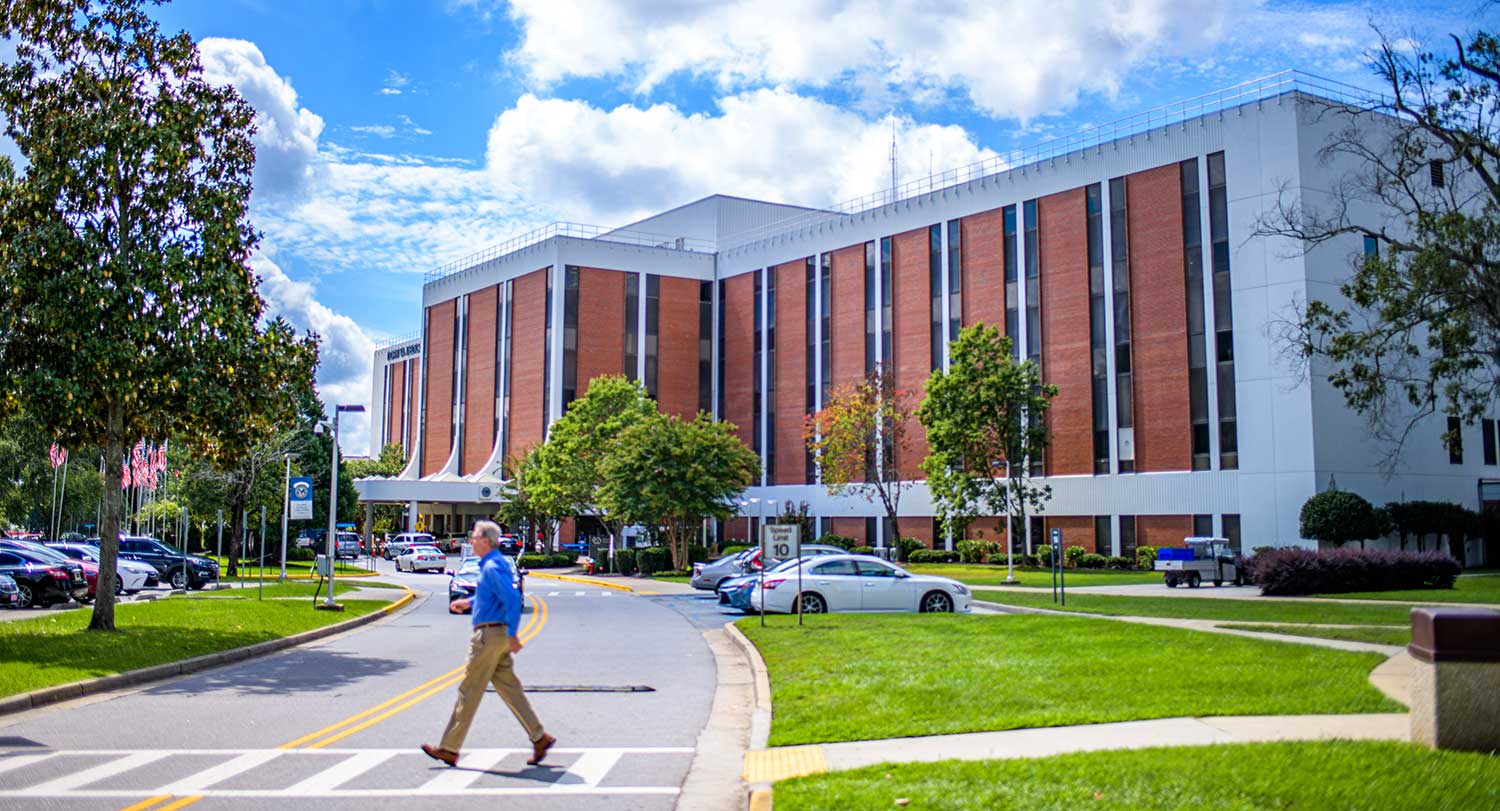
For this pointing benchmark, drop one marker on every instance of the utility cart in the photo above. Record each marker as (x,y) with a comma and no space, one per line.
(1197,560)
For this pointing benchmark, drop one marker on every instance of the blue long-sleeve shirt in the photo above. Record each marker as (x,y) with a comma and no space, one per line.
(496,598)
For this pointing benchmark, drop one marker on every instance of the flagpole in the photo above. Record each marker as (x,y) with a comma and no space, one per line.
(62,496)
(52,515)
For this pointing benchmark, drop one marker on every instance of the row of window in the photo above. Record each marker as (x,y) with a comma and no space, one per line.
(1455,440)
(879,532)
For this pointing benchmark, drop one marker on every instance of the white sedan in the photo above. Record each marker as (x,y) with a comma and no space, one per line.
(859,583)
(419,558)
(130,575)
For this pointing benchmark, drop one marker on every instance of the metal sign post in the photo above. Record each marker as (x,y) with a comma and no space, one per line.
(260,548)
(1059,586)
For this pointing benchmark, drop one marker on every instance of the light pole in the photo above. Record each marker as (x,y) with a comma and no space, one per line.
(1010,542)
(286,504)
(333,502)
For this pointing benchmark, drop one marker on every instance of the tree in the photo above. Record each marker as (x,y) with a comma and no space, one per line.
(985,411)
(130,309)
(523,502)
(571,470)
(857,438)
(801,515)
(390,462)
(674,474)
(1417,329)
(1338,516)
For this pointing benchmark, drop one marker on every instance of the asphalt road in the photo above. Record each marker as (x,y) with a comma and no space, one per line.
(336,724)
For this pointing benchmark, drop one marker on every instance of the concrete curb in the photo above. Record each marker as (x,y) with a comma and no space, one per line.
(759,797)
(146,675)
(715,779)
(588,581)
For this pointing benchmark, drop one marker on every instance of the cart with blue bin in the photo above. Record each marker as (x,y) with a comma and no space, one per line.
(1199,559)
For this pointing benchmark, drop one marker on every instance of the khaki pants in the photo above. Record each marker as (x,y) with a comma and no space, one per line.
(489,663)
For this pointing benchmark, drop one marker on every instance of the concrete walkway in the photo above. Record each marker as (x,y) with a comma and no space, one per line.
(1210,592)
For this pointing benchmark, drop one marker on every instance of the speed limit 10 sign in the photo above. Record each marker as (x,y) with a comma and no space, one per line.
(781,541)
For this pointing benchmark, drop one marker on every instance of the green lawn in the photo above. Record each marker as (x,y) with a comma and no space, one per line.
(1471,589)
(1364,775)
(294,568)
(986,575)
(1251,609)
(854,677)
(1379,636)
(674,577)
(56,648)
(296,589)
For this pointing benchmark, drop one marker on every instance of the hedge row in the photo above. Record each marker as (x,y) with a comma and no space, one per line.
(1304,571)
(549,560)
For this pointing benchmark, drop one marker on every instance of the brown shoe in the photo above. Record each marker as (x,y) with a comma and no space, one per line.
(539,749)
(438,753)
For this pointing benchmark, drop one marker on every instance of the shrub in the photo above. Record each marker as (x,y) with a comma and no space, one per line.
(863,550)
(841,541)
(977,551)
(907,546)
(624,561)
(932,556)
(731,550)
(653,559)
(1145,557)
(545,561)
(1044,556)
(1073,555)
(1116,562)
(301,554)
(1091,560)
(1304,571)
(697,554)
(1338,516)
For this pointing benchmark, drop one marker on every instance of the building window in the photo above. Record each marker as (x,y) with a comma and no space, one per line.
(1098,341)
(887,299)
(825,312)
(1012,285)
(872,534)
(1038,533)
(955,280)
(653,324)
(1232,531)
(1488,429)
(456,416)
(502,381)
(719,367)
(1372,246)
(1119,251)
(1033,307)
(705,346)
(633,326)
(770,460)
(1203,526)
(1435,173)
(756,372)
(935,292)
(869,307)
(1103,540)
(810,356)
(1192,248)
(1455,439)
(547,364)
(1127,536)
(570,336)
(1218,230)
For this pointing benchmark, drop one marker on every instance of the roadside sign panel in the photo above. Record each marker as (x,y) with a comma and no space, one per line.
(781,541)
(299,499)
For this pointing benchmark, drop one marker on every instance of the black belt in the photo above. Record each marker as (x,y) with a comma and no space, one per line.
(479,625)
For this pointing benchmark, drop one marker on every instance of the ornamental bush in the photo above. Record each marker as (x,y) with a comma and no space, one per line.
(841,541)
(1339,516)
(735,549)
(301,553)
(1145,557)
(1304,571)
(1090,560)
(625,561)
(1116,562)
(977,551)
(907,546)
(933,556)
(544,561)
(1073,555)
(863,550)
(1044,556)
(653,559)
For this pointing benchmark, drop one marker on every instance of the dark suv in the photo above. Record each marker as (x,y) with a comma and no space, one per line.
(169,562)
(42,582)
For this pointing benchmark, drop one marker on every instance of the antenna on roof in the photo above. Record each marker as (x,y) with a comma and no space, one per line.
(893,156)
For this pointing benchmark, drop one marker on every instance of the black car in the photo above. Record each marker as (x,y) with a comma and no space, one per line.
(40,582)
(10,596)
(168,561)
(463,582)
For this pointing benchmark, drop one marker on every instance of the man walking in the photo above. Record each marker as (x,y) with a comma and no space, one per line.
(497,614)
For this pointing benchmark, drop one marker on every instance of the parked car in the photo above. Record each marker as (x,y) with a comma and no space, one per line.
(50,555)
(711,576)
(40,582)
(397,546)
(742,583)
(462,583)
(422,558)
(857,583)
(511,545)
(10,596)
(130,575)
(347,545)
(169,562)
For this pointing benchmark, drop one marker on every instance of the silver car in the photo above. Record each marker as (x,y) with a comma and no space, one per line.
(711,576)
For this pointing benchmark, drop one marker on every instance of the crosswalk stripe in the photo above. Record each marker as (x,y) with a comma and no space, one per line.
(552,593)
(97,773)
(579,593)
(472,764)
(22,761)
(592,766)
(193,784)
(347,769)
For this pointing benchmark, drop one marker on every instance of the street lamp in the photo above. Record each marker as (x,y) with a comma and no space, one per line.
(333,502)
(286,504)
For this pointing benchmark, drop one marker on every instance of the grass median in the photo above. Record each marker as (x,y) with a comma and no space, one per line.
(1372,776)
(1466,589)
(848,677)
(1375,634)
(294,568)
(273,590)
(57,649)
(989,575)
(1251,609)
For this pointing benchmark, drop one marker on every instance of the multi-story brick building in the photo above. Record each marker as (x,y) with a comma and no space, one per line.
(1124,260)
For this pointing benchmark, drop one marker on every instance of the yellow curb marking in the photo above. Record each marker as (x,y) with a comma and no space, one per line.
(585,580)
(760,800)
(783,762)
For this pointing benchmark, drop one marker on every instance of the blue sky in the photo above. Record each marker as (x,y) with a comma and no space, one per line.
(396,136)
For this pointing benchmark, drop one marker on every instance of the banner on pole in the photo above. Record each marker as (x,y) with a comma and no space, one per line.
(299,499)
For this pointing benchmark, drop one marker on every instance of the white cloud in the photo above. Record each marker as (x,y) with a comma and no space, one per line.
(411,126)
(286,137)
(345,352)
(395,82)
(612,166)
(377,130)
(1012,58)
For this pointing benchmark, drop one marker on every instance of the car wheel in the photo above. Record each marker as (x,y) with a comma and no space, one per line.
(26,598)
(1194,581)
(119,587)
(1171,581)
(85,600)
(936,602)
(179,579)
(1218,583)
(814,604)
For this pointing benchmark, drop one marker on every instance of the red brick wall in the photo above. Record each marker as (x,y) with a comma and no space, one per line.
(852,527)
(437,443)
(601,325)
(791,372)
(1076,530)
(982,238)
(1065,331)
(987,529)
(847,315)
(739,354)
(479,380)
(1162,530)
(528,345)
(677,347)
(414,417)
(1158,307)
(393,412)
(911,332)
(919,527)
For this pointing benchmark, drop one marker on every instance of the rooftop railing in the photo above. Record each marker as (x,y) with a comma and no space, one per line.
(569,229)
(387,343)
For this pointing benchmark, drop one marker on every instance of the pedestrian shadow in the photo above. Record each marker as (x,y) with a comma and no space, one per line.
(297,670)
(545,773)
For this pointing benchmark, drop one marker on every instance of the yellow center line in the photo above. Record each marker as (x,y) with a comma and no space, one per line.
(147,803)
(528,633)
(182,803)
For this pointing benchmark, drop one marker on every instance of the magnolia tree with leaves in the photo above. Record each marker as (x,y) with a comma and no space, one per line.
(129,309)
(523,501)
(857,438)
(987,409)
(674,474)
(1415,330)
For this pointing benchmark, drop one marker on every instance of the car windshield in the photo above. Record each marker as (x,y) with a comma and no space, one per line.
(81,553)
(790,564)
(470,566)
(46,554)
(424,550)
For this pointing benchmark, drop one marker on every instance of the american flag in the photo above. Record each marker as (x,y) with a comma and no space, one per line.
(138,462)
(125,476)
(59,456)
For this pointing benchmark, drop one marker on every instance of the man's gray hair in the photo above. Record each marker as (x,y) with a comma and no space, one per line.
(488,529)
